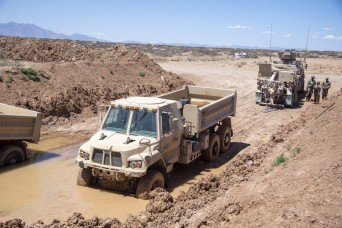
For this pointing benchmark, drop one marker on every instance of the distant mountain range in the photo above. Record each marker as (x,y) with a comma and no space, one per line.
(31,30)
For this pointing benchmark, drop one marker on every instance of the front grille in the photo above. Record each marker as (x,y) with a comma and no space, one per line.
(107,157)
(116,159)
(97,156)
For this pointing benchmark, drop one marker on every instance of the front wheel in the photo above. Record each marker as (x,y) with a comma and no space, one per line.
(11,154)
(152,180)
(85,177)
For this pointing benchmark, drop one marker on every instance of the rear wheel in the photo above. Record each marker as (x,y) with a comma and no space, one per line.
(212,152)
(152,180)
(11,154)
(225,136)
(85,177)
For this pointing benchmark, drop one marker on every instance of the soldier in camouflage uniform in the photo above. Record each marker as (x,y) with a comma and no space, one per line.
(317,92)
(309,88)
(325,88)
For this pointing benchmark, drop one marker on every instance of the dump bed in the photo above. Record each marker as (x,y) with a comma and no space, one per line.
(204,107)
(19,124)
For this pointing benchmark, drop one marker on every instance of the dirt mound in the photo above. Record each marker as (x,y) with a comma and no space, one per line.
(69,79)
(76,220)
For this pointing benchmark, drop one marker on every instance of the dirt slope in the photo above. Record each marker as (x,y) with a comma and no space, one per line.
(303,191)
(75,79)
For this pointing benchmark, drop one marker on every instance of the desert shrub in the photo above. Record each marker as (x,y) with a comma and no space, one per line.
(111,71)
(241,64)
(279,159)
(142,74)
(288,147)
(1,79)
(30,73)
(43,74)
(297,150)
(9,79)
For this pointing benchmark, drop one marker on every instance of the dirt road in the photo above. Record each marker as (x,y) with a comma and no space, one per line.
(46,188)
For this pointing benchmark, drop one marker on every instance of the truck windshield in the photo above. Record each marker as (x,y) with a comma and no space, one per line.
(116,120)
(143,123)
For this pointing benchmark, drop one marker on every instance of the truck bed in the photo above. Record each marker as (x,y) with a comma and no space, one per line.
(19,124)
(207,105)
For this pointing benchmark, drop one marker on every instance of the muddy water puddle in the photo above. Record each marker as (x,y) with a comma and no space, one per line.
(45,187)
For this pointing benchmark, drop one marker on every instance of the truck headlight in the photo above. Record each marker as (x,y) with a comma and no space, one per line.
(83,155)
(135,164)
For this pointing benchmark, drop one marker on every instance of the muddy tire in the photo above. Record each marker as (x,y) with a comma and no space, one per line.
(213,151)
(85,177)
(152,180)
(11,154)
(225,136)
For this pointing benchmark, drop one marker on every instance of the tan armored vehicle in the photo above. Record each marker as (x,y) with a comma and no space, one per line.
(279,82)
(141,138)
(16,126)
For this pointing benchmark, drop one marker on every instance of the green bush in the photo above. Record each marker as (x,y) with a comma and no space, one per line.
(30,73)
(142,74)
(279,159)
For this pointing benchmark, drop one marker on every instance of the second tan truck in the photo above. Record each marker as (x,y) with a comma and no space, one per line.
(17,125)
(141,138)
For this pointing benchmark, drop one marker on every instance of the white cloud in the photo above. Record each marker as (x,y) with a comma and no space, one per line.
(332,37)
(327,29)
(98,35)
(236,26)
(287,35)
(314,35)
(268,32)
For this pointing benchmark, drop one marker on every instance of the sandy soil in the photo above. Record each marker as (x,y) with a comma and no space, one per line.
(241,188)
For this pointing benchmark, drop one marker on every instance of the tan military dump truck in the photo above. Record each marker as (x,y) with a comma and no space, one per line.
(16,126)
(141,138)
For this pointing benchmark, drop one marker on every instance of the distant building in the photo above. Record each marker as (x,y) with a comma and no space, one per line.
(239,55)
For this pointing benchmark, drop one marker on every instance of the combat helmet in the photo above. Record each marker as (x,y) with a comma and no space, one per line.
(313,77)
(327,79)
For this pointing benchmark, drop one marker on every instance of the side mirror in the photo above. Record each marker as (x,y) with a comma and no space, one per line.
(144,141)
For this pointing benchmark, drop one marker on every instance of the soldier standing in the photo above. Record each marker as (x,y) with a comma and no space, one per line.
(317,92)
(325,88)
(309,88)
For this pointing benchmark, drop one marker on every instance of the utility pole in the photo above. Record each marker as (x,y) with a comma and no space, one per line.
(306,47)
(271,45)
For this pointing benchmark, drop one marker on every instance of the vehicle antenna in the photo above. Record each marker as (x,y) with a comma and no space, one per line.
(271,45)
(306,47)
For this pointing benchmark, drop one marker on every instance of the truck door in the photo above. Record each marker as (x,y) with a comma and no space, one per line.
(170,137)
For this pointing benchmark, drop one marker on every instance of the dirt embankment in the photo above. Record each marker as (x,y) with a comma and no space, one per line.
(255,190)
(71,79)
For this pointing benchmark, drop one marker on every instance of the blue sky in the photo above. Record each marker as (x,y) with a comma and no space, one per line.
(213,22)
